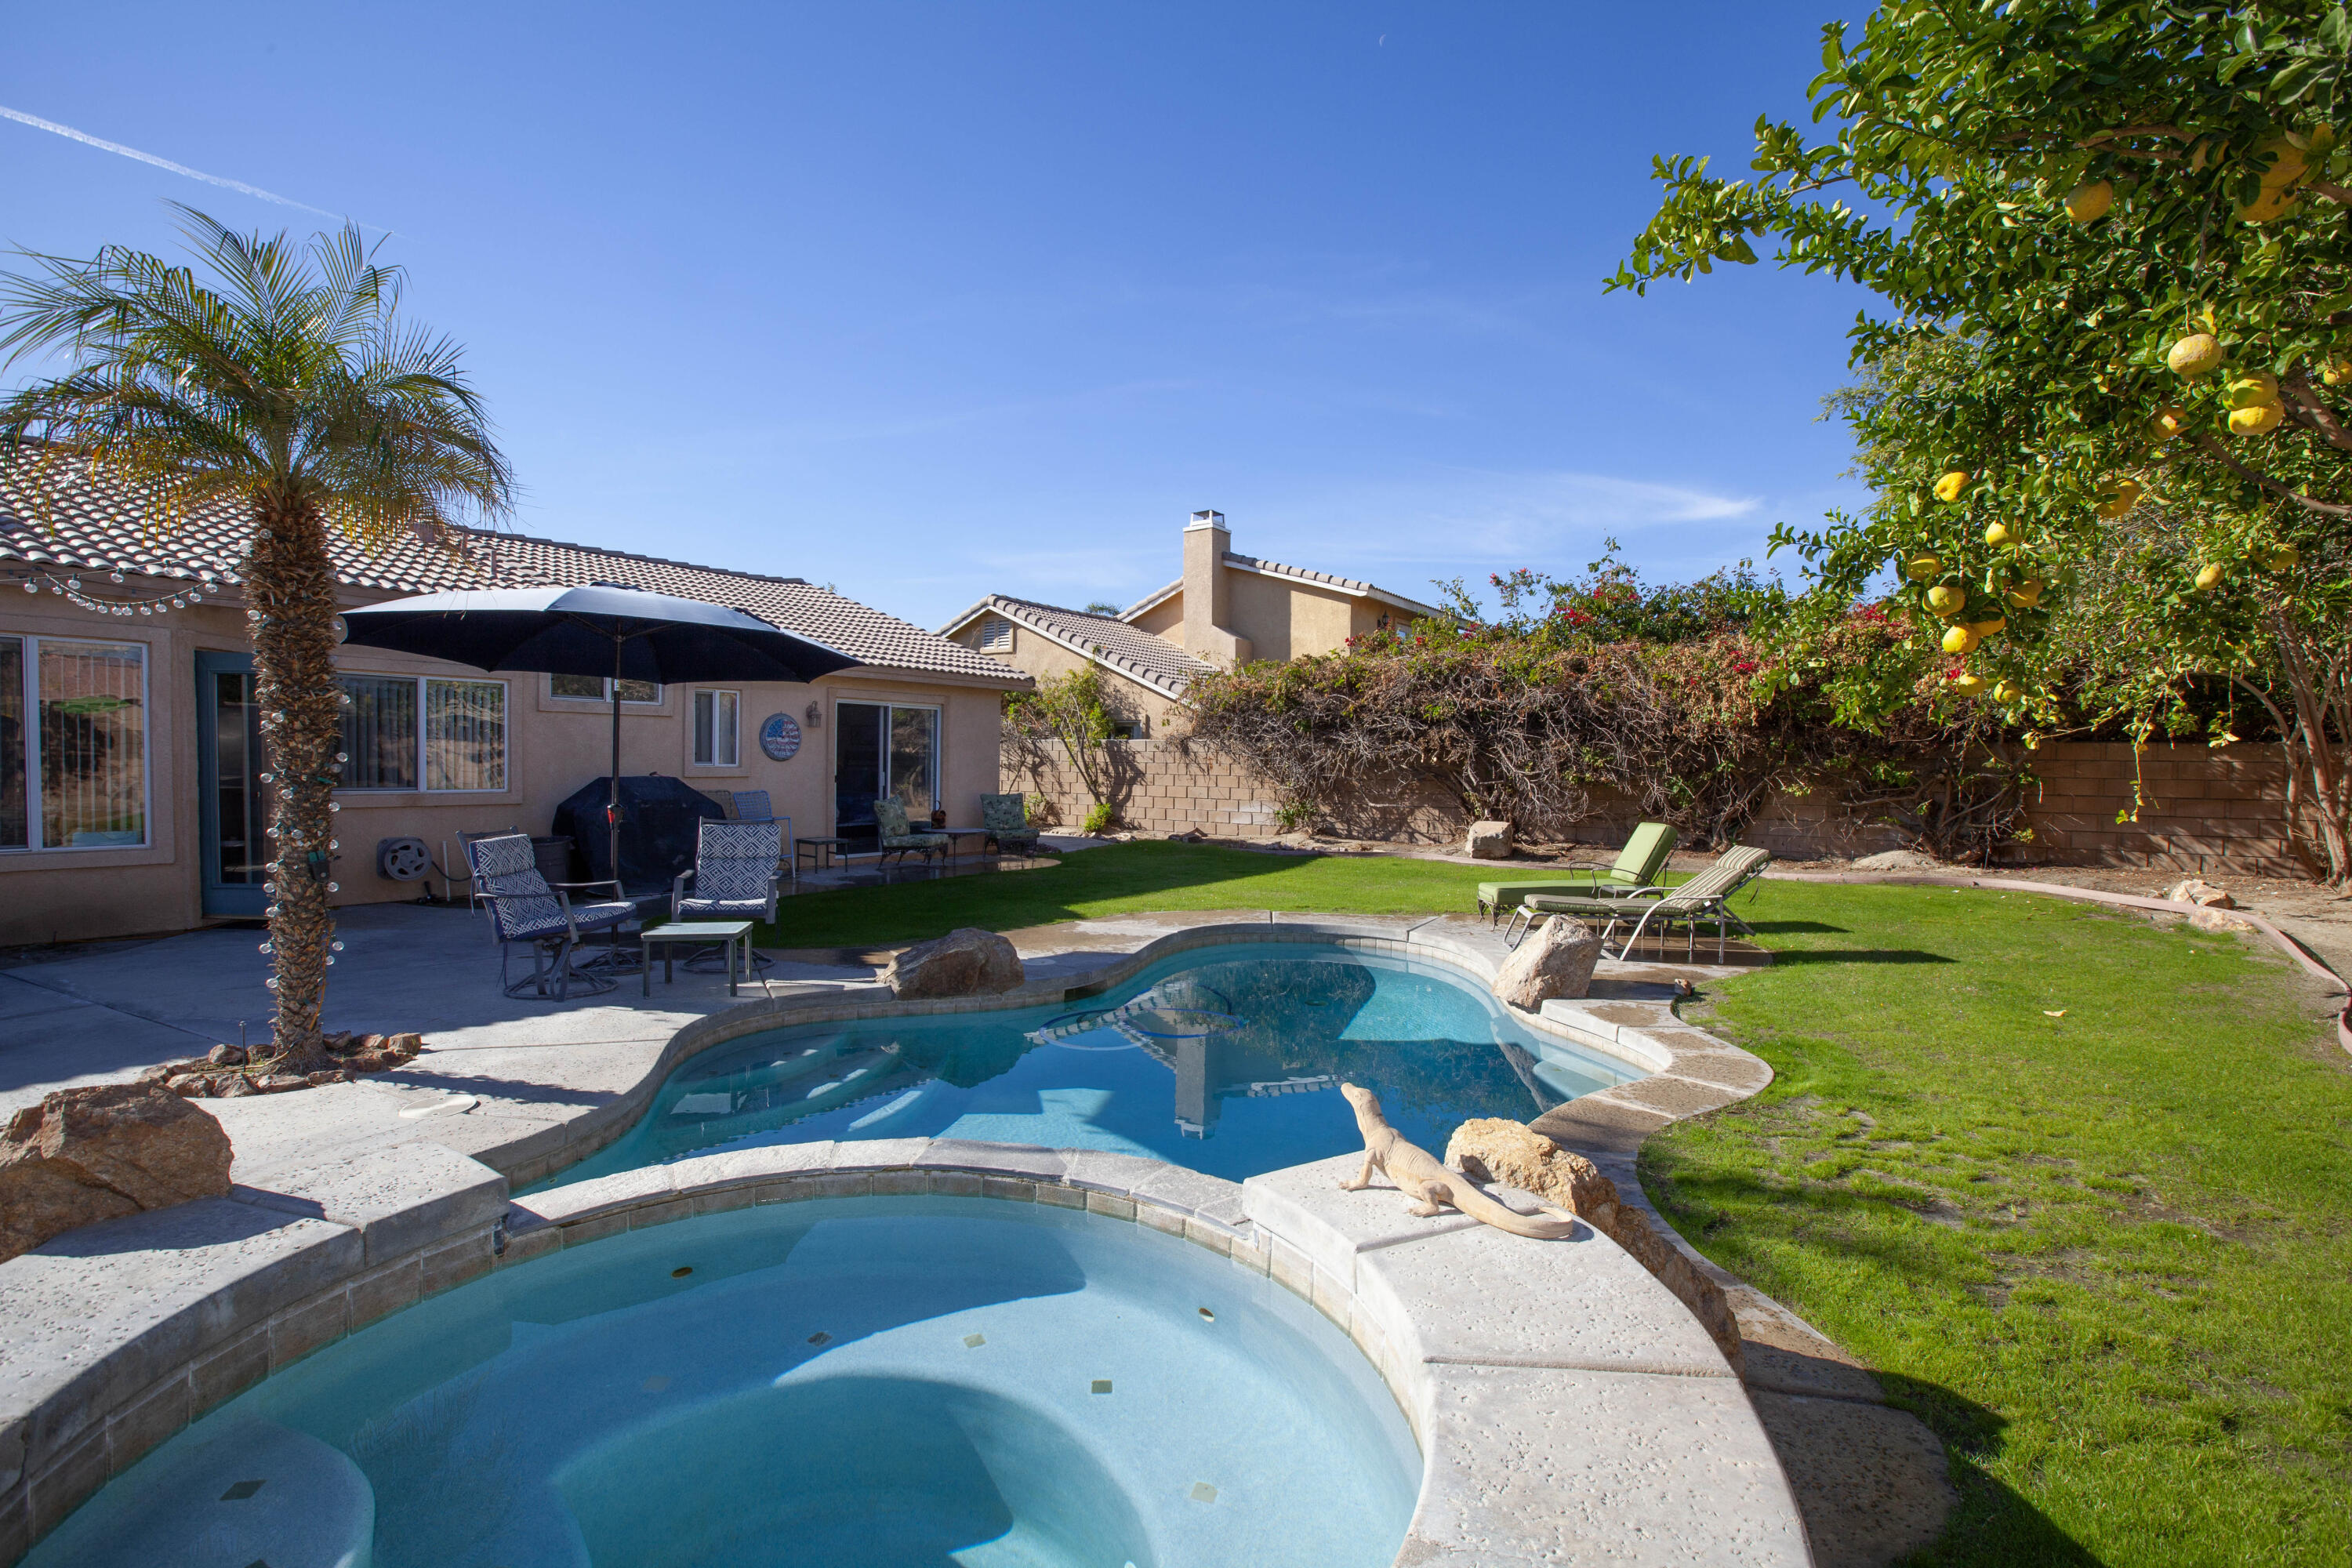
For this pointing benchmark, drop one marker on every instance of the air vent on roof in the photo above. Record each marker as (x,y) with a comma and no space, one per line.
(996,634)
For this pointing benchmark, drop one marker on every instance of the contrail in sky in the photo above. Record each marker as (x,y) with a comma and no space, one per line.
(37,124)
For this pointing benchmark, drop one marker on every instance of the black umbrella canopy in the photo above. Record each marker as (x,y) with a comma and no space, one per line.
(575,630)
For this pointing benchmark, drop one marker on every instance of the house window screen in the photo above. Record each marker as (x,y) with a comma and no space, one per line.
(93,741)
(15,824)
(599,688)
(379,732)
(464,735)
(714,729)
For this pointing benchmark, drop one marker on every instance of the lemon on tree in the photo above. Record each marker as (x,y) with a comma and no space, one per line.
(1949,487)
(1961,640)
(1924,567)
(2119,498)
(2199,354)
(2023,596)
(2089,202)
(2007,692)
(2171,420)
(1947,599)
(1992,628)
(1968,685)
(2208,577)
(2260,419)
(1998,533)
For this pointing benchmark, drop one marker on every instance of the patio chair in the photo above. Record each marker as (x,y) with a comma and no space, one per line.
(1006,818)
(751,805)
(1706,897)
(1640,864)
(735,878)
(525,909)
(899,839)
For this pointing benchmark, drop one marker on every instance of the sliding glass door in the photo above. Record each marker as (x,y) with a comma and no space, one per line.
(881,751)
(235,803)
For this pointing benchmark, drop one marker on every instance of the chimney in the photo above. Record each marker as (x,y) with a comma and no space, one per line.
(1208,607)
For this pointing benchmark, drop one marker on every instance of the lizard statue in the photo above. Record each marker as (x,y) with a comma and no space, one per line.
(1415,1172)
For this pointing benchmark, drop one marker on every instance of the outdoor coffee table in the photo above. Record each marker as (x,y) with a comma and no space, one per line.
(956,832)
(821,852)
(724,933)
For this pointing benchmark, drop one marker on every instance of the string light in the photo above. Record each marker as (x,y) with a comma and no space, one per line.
(178,598)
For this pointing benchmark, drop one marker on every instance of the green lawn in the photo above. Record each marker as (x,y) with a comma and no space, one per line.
(2107,1257)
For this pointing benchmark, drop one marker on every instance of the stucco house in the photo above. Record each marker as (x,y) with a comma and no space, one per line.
(131,797)
(1226,608)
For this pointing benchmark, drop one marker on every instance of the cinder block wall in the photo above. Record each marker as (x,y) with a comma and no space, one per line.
(2200,809)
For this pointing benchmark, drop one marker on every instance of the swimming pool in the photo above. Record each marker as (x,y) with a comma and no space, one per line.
(863,1382)
(1226,1059)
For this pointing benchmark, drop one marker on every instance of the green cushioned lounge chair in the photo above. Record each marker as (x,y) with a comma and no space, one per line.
(1705,897)
(1640,864)
(899,839)
(1006,818)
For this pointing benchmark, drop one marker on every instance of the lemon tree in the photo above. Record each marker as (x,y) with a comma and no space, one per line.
(2111,245)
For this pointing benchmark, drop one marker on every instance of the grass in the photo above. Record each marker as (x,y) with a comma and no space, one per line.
(1125,879)
(2103,1255)
(2107,1257)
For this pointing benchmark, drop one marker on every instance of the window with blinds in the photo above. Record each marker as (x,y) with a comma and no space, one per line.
(75,776)
(996,634)
(407,732)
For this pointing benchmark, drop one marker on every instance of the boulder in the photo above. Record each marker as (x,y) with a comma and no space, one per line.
(1896,860)
(1489,841)
(1490,1149)
(2213,920)
(113,1148)
(226,1056)
(1555,959)
(964,962)
(2196,890)
(281,1083)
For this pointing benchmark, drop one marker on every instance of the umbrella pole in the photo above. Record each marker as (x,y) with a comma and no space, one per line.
(613,781)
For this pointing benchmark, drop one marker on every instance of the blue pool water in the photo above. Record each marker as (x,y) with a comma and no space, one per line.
(874,1383)
(1228,1061)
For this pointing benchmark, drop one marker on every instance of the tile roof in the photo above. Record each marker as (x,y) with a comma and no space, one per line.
(1414,607)
(1142,657)
(96,526)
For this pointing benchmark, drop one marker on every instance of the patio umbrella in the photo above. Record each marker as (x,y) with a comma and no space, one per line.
(600,628)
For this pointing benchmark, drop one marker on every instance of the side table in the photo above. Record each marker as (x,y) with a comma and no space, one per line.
(725,933)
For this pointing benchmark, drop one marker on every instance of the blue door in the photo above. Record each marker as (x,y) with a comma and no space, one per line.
(235,806)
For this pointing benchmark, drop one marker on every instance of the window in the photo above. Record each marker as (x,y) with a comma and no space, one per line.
(714,729)
(459,746)
(880,752)
(76,776)
(996,634)
(599,688)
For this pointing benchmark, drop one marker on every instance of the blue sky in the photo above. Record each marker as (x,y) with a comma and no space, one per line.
(933,300)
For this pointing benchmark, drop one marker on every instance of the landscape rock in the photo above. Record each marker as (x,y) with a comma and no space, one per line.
(2196,890)
(1491,1149)
(1489,841)
(233,1085)
(2213,920)
(88,1155)
(1555,960)
(190,1085)
(226,1056)
(1896,860)
(964,962)
(280,1082)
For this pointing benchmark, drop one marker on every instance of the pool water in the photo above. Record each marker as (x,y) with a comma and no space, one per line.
(1228,1061)
(873,1382)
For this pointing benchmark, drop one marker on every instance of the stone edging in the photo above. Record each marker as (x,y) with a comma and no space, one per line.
(119,1335)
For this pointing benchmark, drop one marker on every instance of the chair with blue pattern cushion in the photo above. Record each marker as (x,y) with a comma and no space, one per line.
(524,909)
(751,805)
(734,877)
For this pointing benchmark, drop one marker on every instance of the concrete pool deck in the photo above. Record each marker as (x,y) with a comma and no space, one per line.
(354,1199)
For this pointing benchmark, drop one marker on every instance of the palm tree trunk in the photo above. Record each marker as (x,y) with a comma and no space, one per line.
(289,595)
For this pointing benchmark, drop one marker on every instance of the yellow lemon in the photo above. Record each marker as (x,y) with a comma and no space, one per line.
(1968,685)
(2008,692)
(2024,595)
(2288,165)
(2171,420)
(1961,639)
(2089,202)
(2285,558)
(2119,498)
(1999,534)
(2251,390)
(2337,370)
(1947,599)
(1921,568)
(2194,355)
(2209,578)
(2258,420)
(1987,628)
(1949,487)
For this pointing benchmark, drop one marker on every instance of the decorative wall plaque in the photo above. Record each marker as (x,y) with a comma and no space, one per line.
(780,737)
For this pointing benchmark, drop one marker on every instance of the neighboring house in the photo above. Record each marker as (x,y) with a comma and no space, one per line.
(1226,609)
(132,801)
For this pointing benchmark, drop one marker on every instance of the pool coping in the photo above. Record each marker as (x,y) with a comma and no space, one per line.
(141,1325)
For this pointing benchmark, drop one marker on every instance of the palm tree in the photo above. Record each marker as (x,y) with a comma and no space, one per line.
(277,377)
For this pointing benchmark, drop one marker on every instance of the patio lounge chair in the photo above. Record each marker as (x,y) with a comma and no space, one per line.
(901,839)
(751,805)
(525,909)
(1006,818)
(1706,897)
(735,878)
(1640,864)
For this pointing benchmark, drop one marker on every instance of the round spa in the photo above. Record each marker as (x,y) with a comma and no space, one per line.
(882,1381)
